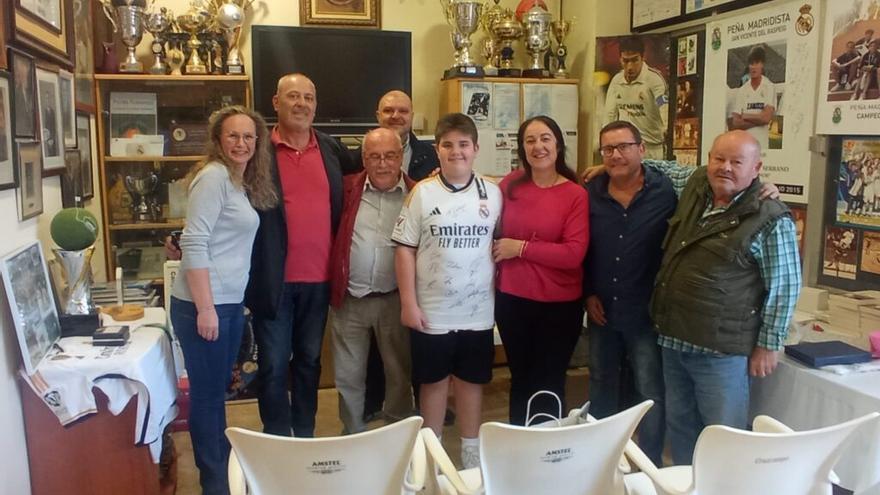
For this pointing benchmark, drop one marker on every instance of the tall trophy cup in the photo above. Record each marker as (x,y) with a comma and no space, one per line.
(126,15)
(194,22)
(560,29)
(144,208)
(230,18)
(74,230)
(464,17)
(157,24)
(537,25)
(507,30)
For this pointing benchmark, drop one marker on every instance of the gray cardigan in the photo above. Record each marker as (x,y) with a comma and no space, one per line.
(219,235)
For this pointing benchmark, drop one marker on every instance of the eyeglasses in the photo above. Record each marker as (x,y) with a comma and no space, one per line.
(376,158)
(608,150)
(235,138)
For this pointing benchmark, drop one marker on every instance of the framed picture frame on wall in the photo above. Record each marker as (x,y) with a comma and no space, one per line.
(71,180)
(4,62)
(84,146)
(68,114)
(24,93)
(45,26)
(29,168)
(7,151)
(350,13)
(51,134)
(84,56)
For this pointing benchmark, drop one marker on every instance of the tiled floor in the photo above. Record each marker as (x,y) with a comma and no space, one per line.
(244,414)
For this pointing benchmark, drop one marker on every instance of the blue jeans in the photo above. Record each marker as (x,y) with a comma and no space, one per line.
(292,343)
(209,367)
(607,346)
(702,390)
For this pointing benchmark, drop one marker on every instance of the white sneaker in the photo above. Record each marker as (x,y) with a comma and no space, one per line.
(470,457)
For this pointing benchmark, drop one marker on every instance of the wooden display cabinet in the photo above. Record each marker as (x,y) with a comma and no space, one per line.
(134,236)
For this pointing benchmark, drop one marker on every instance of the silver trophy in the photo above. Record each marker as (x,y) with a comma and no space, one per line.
(464,18)
(537,26)
(127,15)
(230,18)
(144,207)
(76,274)
(157,24)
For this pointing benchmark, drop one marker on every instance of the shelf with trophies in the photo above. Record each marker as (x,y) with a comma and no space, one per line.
(153,115)
(500,94)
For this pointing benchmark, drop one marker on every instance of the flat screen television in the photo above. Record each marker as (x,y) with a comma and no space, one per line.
(351,69)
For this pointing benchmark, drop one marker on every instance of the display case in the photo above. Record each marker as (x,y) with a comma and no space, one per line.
(151,131)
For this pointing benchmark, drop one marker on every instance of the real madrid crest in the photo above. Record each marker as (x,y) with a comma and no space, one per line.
(805,22)
(837,115)
(484,211)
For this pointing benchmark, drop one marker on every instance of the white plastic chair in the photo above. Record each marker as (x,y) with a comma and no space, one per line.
(374,462)
(581,459)
(771,459)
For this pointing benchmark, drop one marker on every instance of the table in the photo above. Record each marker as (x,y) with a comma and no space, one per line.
(144,368)
(805,398)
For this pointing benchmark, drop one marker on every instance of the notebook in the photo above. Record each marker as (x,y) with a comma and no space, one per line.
(818,354)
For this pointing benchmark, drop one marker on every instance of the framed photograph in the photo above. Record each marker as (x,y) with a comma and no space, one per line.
(4,62)
(858,183)
(84,142)
(26,279)
(84,56)
(7,163)
(68,115)
(24,94)
(49,103)
(45,26)
(363,13)
(71,180)
(30,180)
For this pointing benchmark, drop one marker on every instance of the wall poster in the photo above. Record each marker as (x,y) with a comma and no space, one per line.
(762,66)
(849,98)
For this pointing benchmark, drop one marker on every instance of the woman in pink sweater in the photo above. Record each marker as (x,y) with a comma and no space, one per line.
(544,236)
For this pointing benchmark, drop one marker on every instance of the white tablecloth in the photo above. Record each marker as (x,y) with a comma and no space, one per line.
(144,368)
(805,398)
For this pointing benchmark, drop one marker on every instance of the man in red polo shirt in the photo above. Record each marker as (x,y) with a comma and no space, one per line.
(288,292)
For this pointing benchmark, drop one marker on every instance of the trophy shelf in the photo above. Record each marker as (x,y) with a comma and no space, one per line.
(169,78)
(154,159)
(147,226)
(520,80)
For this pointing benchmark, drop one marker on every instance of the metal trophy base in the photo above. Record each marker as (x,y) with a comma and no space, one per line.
(235,70)
(536,73)
(463,71)
(131,67)
(509,72)
(159,70)
(196,69)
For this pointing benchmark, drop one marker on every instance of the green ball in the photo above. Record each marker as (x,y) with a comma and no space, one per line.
(74,229)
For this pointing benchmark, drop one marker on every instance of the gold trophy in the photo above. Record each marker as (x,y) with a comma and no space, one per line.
(194,22)
(560,29)
(490,45)
(507,30)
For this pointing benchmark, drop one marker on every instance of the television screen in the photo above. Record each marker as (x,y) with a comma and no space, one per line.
(351,69)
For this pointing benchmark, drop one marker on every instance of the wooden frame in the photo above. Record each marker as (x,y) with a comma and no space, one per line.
(29,165)
(84,145)
(67,112)
(71,180)
(349,13)
(686,15)
(7,149)
(51,134)
(4,62)
(84,55)
(40,34)
(24,88)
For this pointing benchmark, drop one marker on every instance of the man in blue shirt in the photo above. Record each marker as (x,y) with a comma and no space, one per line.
(629,209)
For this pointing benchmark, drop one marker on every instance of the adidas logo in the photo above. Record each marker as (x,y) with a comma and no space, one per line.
(435,211)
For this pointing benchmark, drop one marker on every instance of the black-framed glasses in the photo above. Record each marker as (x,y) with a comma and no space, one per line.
(608,149)
(376,158)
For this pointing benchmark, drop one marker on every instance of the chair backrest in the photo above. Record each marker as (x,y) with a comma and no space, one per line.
(372,462)
(728,460)
(577,460)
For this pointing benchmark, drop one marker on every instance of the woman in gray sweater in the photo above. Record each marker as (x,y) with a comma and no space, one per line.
(206,303)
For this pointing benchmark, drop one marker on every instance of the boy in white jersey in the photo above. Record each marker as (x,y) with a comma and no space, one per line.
(445,274)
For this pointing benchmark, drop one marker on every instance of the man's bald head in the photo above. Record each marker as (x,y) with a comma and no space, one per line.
(295,103)
(734,162)
(395,112)
(382,154)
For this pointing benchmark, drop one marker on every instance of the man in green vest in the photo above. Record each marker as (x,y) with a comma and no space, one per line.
(725,293)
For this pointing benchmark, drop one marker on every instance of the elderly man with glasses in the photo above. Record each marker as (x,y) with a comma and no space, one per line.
(363,292)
